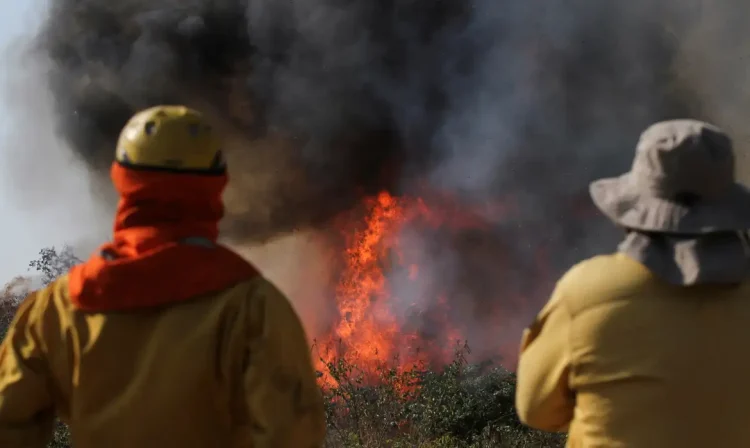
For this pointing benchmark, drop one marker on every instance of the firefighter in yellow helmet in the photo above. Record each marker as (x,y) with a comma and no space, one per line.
(162,338)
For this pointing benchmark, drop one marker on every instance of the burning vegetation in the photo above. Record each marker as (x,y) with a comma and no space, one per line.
(392,305)
(369,329)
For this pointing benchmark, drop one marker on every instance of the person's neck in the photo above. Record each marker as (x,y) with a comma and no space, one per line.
(142,227)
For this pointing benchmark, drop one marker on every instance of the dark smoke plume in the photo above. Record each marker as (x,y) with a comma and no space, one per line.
(328,99)
(324,101)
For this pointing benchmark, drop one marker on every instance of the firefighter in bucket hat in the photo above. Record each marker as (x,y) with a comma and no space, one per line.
(163,338)
(647,347)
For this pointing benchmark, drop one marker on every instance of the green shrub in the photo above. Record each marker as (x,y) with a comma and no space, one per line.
(459,406)
(61,437)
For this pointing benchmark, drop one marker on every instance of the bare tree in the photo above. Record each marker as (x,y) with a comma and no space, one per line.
(53,263)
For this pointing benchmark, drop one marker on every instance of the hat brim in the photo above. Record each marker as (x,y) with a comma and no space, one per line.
(626,206)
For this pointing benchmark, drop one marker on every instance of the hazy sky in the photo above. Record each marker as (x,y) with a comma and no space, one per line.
(43,196)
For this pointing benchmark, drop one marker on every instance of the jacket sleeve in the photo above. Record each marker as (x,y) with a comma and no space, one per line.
(26,406)
(543,398)
(283,397)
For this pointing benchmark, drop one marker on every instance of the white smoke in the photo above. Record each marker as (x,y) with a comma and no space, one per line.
(46,193)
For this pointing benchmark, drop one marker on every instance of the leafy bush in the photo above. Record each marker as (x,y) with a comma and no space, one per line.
(53,263)
(459,406)
(61,437)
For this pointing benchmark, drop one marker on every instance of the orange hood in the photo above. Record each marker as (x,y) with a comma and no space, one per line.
(148,263)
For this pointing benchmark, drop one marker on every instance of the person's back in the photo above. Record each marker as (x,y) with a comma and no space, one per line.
(645,348)
(163,338)
(642,350)
(224,370)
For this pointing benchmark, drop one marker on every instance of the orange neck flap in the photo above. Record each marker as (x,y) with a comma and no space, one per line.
(164,249)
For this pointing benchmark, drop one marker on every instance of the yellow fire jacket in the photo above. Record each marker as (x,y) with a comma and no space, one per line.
(621,359)
(231,370)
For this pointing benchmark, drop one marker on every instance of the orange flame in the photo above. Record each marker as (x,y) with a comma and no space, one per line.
(369,334)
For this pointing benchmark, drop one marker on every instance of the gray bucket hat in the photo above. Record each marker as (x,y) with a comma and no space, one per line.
(681,182)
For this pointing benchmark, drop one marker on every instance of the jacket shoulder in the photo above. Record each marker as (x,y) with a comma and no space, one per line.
(602,278)
(263,297)
(40,312)
(38,301)
(600,265)
(258,287)
(55,296)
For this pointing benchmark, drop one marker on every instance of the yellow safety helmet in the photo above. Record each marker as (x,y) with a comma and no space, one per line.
(174,138)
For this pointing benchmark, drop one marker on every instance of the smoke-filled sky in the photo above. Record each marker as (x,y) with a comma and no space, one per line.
(57,210)
(322,100)
(18,240)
